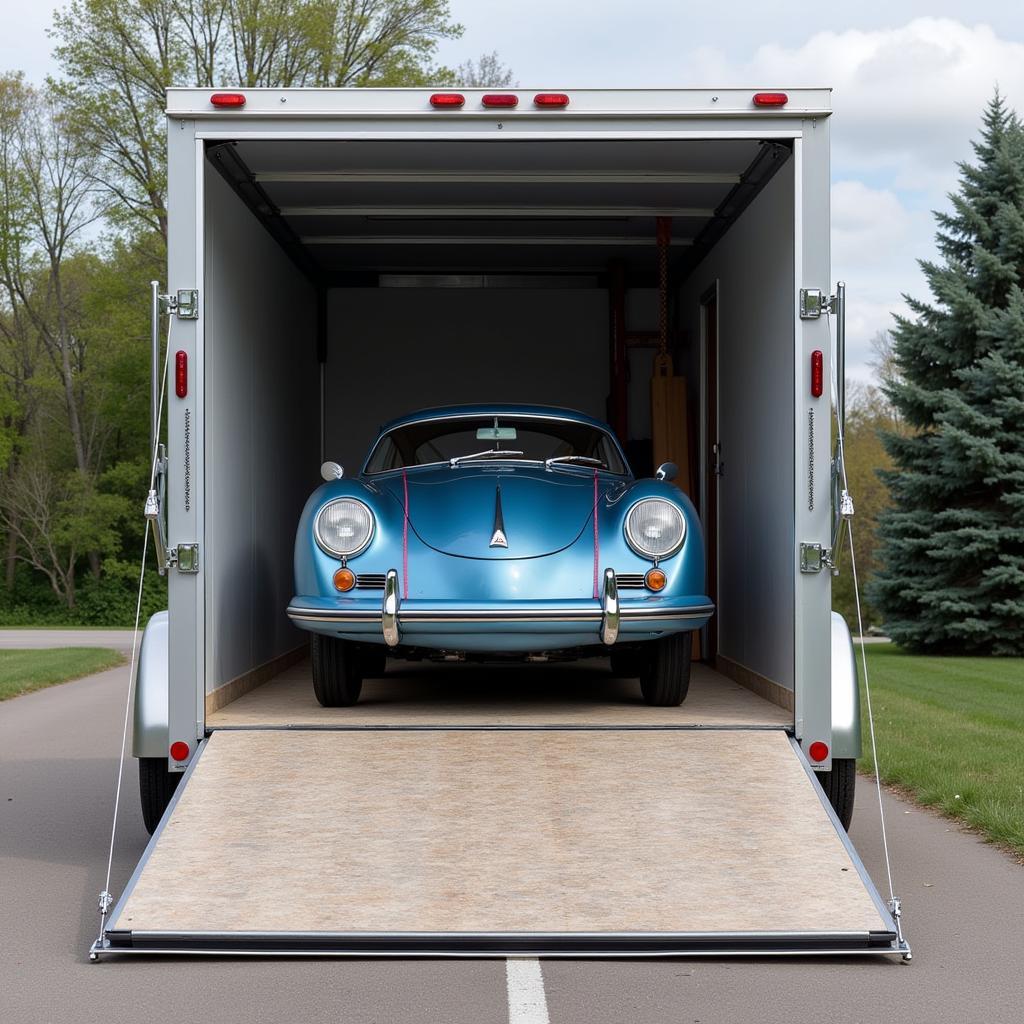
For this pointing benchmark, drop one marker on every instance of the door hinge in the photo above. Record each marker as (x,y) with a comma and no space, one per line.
(184,558)
(184,304)
(815,557)
(814,302)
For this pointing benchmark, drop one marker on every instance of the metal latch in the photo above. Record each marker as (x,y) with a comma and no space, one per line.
(185,304)
(815,557)
(186,558)
(814,302)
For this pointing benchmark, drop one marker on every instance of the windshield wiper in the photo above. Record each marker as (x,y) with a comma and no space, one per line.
(548,463)
(480,455)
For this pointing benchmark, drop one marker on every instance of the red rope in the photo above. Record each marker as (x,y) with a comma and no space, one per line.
(597,539)
(405,538)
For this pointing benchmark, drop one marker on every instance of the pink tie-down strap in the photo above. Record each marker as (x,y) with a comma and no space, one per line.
(597,541)
(405,537)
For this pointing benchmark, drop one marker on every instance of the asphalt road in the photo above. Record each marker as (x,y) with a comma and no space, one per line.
(963,905)
(117,639)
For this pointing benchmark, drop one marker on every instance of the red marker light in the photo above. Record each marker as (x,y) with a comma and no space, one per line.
(551,99)
(500,99)
(179,751)
(181,374)
(770,99)
(227,99)
(448,100)
(817,373)
(818,751)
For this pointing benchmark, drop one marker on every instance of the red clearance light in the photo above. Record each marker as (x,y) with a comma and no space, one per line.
(817,373)
(551,99)
(818,751)
(179,751)
(770,99)
(228,99)
(447,99)
(500,99)
(181,374)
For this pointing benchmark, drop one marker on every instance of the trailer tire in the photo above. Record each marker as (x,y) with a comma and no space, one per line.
(156,787)
(840,786)
(337,681)
(665,678)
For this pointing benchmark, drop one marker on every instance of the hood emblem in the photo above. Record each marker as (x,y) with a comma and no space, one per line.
(498,538)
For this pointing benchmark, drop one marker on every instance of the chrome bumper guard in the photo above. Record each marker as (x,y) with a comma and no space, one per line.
(389,612)
(610,616)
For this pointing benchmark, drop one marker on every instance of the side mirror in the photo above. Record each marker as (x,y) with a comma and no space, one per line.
(331,471)
(667,471)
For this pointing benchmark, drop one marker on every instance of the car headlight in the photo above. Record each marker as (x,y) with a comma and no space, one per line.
(655,528)
(344,527)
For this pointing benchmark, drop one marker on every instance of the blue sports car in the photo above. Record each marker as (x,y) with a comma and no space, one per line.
(499,531)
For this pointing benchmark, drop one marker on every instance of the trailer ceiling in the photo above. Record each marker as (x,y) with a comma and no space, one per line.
(347,208)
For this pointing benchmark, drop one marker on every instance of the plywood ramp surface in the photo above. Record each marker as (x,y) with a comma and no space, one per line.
(578,693)
(488,831)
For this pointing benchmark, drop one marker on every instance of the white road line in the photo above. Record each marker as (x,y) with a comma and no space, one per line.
(527,1003)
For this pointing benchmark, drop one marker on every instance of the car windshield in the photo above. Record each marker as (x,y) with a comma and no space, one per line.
(480,439)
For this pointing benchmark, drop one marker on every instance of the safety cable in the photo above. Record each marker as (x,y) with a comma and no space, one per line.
(105,899)
(840,431)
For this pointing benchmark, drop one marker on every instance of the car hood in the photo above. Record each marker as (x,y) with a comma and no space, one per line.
(454,510)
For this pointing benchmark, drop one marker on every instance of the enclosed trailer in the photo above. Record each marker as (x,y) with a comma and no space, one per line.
(338,257)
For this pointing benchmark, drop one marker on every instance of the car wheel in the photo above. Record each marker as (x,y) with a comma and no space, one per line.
(156,787)
(840,786)
(628,663)
(336,676)
(666,675)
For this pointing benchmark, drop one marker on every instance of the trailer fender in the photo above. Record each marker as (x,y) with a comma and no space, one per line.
(151,732)
(846,741)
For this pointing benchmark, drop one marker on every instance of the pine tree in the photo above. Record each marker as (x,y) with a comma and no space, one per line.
(953,540)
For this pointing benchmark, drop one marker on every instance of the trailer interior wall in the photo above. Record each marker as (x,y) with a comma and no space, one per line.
(262,434)
(752,267)
(395,350)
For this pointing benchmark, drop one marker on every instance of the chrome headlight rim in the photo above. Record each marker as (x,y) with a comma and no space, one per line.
(637,547)
(334,552)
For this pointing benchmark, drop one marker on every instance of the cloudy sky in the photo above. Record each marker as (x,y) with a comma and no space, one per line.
(909,80)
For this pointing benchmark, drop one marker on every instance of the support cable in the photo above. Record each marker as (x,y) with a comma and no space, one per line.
(894,901)
(106,900)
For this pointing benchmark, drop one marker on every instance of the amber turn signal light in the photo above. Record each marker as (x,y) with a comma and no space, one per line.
(655,579)
(344,580)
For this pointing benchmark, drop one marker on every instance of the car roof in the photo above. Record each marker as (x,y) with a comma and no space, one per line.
(494,409)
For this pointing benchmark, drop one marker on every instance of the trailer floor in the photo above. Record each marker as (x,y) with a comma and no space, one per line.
(575,693)
(482,832)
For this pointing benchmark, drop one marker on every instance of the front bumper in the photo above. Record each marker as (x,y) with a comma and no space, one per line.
(501,625)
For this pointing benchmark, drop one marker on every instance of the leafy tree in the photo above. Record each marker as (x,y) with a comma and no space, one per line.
(953,541)
(118,58)
(485,73)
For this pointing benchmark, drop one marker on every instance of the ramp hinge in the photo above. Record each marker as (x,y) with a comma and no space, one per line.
(815,557)
(184,304)
(814,302)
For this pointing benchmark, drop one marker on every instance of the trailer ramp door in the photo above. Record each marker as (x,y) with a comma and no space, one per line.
(550,841)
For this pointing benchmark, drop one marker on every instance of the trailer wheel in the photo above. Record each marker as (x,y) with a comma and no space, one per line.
(665,678)
(336,677)
(156,787)
(840,786)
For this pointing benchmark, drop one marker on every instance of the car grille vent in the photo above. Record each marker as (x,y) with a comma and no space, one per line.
(370,581)
(630,580)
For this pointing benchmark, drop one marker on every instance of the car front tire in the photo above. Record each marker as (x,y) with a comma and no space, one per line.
(665,678)
(337,680)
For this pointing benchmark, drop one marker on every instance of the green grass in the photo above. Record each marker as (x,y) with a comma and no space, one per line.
(950,732)
(22,671)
